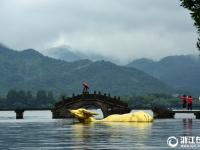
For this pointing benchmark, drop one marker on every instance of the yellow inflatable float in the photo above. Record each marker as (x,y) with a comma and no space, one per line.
(86,116)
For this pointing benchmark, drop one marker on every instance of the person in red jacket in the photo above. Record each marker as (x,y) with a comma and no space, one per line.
(183,100)
(189,102)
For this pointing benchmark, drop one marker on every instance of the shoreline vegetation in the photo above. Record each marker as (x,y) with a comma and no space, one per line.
(46,99)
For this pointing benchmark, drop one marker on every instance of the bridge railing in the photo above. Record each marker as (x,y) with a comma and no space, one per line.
(85,96)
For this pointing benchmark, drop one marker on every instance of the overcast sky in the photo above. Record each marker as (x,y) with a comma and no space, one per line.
(121,29)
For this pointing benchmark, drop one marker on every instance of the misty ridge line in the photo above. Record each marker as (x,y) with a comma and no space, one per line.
(69,54)
(30,70)
(73,70)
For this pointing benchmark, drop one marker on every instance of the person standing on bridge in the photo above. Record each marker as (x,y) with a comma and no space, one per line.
(189,102)
(183,100)
(85,87)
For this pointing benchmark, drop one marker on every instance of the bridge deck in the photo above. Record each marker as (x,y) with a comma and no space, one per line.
(185,111)
(20,111)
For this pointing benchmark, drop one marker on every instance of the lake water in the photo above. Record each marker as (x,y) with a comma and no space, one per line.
(38,131)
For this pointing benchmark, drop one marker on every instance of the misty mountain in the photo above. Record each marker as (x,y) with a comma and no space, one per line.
(63,53)
(68,54)
(181,72)
(30,70)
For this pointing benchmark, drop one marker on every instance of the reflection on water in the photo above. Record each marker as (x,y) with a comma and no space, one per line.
(104,133)
(187,125)
(39,131)
(137,125)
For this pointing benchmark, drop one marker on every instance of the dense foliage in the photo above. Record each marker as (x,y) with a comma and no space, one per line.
(25,99)
(43,99)
(194,7)
(180,72)
(161,100)
(30,70)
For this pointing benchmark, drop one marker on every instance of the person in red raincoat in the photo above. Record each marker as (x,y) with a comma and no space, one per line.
(189,102)
(183,101)
(85,87)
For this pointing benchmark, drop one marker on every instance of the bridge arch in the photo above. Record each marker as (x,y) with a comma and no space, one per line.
(108,105)
(93,104)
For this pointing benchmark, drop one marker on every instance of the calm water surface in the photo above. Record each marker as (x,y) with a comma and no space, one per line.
(38,131)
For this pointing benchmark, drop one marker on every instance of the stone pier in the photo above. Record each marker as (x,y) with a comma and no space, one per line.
(19,113)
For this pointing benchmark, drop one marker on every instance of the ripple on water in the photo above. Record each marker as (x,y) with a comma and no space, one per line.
(36,132)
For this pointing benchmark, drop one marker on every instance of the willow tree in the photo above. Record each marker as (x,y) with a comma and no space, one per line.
(194,7)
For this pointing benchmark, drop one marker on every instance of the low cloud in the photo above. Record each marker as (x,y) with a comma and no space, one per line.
(119,29)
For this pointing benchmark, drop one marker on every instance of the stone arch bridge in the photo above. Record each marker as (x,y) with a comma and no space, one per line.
(108,105)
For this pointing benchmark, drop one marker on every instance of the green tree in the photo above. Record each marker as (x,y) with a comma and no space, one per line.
(30,99)
(50,97)
(16,99)
(11,94)
(2,102)
(194,7)
(11,97)
(41,97)
(22,97)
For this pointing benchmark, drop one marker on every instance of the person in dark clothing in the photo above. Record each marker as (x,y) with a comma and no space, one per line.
(85,87)
(183,101)
(189,102)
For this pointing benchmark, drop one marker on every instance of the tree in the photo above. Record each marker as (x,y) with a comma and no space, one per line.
(11,97)
(30,99)
(2,102)
(50,97)
(22,97)
(194,7)
(41,97)
(16,99)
